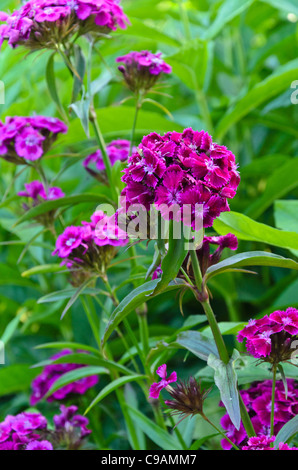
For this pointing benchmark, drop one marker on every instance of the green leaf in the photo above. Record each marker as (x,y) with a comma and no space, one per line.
(250,258)
(75,358)
(76,295)
(190,63)
(65,294)
(111,387)
(67,345)
(288,6)
(289,430)
(16,378)
(286,214)
(75,375)
(80,67)
(52,86)
(10,329)
(86,359)
(48,206)
(158,435)
(171,263)
(198,344)
(263,91)
(247,229)
(227,12)
(139,29)
(279,184)
(133,300)
(225,379)
(43,269)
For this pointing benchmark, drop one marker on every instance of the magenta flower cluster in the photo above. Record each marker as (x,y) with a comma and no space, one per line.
(51,373)
(38,192)
(264,443)
(145,60)
(141,70)
(88,249)
(28,138)
(29,431)
(182,169)
(271,336)
(117,150)
(39,23)
(257,400)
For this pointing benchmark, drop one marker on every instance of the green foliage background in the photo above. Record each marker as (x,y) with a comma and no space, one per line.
(233,64)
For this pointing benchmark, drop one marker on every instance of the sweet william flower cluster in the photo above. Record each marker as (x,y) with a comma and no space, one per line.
(271,337)
(30,431)
(182,169)
(51,373)
(87,249)
(117,150)
(26,139)
(42,24)
(257,400)
(141,70)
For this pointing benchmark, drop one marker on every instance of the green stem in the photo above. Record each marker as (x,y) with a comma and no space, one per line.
(220,344)
(133,130)
(143,326)
(102,145)
(185,20)
(204,110)
(273,401)
(219,431)
(196,269)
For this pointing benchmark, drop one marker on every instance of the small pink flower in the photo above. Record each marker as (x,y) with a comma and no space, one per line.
(156,388)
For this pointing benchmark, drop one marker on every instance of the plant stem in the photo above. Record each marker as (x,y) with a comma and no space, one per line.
(133,130)
(221,347)
(185,20)
(204,110)
(273,401)
(220,432)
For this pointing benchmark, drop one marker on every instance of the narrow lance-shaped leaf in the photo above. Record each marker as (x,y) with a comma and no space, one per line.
(289,430)
(263,91)
(75,375)
(251,258)
(177,251)
(111,387)
(48,206)
(51,82)
(132,301)
(198,344)
(158,435)
(247,229)
(225,379)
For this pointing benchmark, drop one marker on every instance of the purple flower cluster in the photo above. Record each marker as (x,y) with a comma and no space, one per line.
(88,249)
(264,443)
(41,24)
(185,171)
(51,373)
(29,431)
(142,69)
(257,400)
(28,138)
(271,337)
(38,192)
(17,432)
(117,150)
